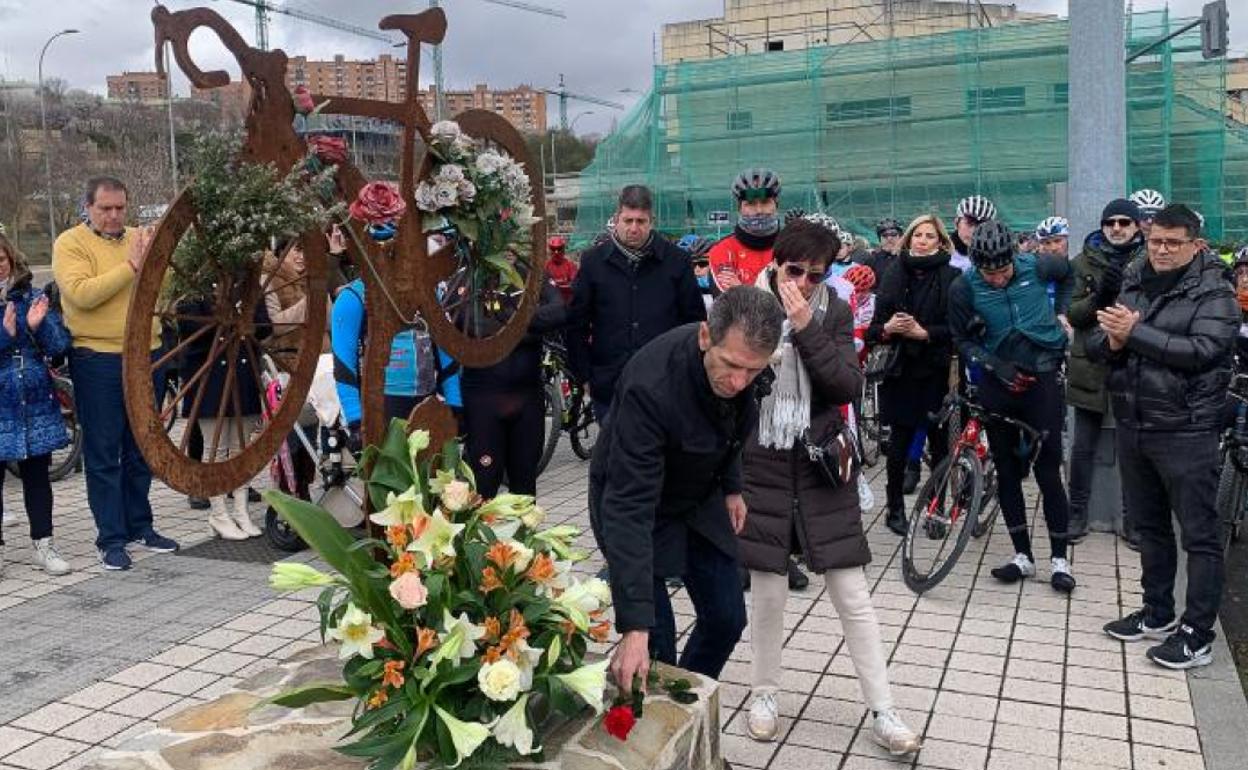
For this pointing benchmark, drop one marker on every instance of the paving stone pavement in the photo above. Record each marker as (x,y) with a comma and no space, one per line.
(994,676)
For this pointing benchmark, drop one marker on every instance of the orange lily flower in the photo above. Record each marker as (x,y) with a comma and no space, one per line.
(542,570)
(397,537)
(377,699)
(393,676)
(405,563)
(489,580)
(426,639)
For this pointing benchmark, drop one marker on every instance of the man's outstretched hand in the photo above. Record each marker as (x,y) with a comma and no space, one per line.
(631,658)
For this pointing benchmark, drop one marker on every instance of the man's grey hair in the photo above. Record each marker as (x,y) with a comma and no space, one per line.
(756,313)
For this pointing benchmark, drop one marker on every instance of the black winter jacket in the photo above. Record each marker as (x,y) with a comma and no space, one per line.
(918,286)
(1174,371)
(615,311)
(670,453)
(521,370)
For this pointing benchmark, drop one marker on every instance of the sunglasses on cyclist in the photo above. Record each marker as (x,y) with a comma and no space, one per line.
(1123,222)
(797,271)
(701,263)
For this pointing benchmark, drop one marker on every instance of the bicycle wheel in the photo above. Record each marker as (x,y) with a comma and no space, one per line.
(1232,495)
(584,430)
(942,520)
(869,425)
(554,422)
(280,534)
(992,504)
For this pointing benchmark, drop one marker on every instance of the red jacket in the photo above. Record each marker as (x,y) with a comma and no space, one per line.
(562,272)
(732,255)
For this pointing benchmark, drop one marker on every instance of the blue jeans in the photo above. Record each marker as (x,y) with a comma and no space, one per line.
(713,581)
(118,479)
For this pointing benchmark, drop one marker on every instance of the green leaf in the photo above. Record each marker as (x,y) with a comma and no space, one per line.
(464,673)
(316,693)
(677,685)
(327,537)
(451,456)
(394,445)
(366,543)
(684,697)
(562,699)
(325,605)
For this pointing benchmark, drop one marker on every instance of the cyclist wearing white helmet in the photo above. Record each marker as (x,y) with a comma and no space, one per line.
(739,258)
(972,211)
(1053,235)
(1149,203)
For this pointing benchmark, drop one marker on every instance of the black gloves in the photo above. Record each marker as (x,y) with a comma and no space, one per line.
(355,442)
(1111,284)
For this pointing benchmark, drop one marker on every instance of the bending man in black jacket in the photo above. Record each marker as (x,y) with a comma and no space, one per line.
(629,290)
(1169,341)
(665,483)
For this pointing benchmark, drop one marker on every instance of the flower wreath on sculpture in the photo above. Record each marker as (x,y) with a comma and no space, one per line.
(479,197)
(462,629)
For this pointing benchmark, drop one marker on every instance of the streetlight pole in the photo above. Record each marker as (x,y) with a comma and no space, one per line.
(47,141)
(572,125)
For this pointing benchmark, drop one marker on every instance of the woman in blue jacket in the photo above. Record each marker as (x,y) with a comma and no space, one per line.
(31,425)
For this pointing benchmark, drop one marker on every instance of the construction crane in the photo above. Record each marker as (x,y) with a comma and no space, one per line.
(439,103)
(564,95)
(265,8)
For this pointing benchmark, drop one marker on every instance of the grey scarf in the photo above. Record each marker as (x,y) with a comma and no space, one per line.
(634,256)
(784,414)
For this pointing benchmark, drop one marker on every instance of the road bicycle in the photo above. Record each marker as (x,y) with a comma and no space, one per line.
(1232,494)
(873,434)
(959,499)
(568,406)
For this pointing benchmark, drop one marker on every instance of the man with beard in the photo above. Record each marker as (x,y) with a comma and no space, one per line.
(1098,279)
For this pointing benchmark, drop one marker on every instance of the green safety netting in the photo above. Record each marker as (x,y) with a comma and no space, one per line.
(904,126)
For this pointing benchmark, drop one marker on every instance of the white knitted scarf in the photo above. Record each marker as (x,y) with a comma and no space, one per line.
(784,414)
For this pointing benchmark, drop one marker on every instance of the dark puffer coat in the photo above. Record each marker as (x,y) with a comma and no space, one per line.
(786,494)
(1174,371)
(30,414)
(1085,378)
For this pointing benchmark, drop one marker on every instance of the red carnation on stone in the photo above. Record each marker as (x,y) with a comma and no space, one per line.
(619,721)
(328,149)
(303,100)
(378,203)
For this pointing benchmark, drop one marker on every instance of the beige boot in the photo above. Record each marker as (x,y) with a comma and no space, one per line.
(239,515)
(221,522)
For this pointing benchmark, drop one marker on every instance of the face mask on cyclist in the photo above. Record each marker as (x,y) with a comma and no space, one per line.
(704,281)
(761,225)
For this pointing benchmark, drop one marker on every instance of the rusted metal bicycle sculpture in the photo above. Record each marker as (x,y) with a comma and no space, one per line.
(401,279)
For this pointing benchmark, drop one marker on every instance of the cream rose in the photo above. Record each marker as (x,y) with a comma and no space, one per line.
(456,496)
(408,590)
(500,681)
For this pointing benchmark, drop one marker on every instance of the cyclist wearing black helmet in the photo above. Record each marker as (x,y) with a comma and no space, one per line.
(889,231)
(739,258)
(1003,320)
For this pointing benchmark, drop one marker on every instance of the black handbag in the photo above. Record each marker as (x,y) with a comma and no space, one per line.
(838,455)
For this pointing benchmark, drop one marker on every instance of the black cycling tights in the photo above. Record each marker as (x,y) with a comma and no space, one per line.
(504,434)
(1042,408)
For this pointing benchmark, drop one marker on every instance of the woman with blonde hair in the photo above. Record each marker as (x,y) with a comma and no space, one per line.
(911,320)
(31,425)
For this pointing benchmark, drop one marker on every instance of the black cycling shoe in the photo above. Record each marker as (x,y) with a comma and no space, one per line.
(910,481)
(797,579)
(252,495)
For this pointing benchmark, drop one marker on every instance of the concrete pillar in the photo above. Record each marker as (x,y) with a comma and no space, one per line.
(1097,173)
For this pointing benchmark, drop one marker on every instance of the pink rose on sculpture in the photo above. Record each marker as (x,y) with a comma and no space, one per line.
(303,100)
(328,149)
(378,203)
(408,591)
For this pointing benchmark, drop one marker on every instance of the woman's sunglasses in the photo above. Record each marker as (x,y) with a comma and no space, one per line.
(797,271)
(701,263)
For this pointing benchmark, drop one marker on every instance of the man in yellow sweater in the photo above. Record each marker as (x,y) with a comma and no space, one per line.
(95,265)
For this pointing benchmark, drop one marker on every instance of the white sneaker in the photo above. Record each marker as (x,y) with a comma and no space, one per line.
(891,733)
(48,559)
(764,721)
(866,498)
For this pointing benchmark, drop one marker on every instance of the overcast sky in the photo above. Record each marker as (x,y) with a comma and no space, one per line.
(602,47)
